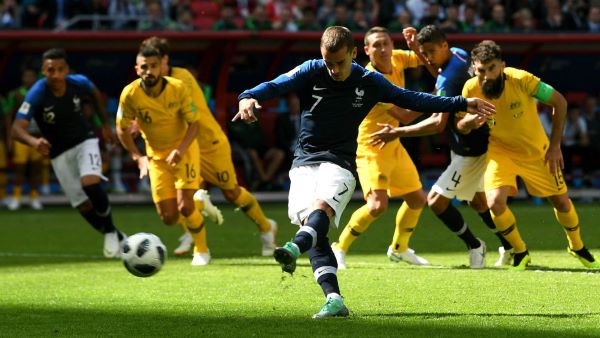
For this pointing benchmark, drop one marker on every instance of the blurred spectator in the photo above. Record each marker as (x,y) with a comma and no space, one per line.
(309,21)
(9,14)
(36,14)
(386,11)
(433,15)
(553,17)
(226,22)
(360,21)
(258,20)
(524,21)
(591,113)
(576,11)
(326,12)
(403,20)
(265,160)
(417,9)
(285,22)
(274,8)
(498,23)
(185,20)
(124,13)
(451,24)
(156,20)
(470,22)
(575,138)
(342,18)
(593,20)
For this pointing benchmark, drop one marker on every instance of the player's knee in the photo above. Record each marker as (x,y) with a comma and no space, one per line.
(437,203)
(378,207)
(85,206)
(169,218)
(322,205)
(232,194)
(478,205)
(562,204)
(416,199)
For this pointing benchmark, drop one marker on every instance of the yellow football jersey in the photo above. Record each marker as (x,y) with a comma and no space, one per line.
(163,120)
(518,129)
(401,60)
(210,132)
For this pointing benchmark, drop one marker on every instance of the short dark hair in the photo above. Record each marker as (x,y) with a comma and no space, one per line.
(431,33)
(486,51)
(149,51)
(337,37)
(373,30)
(161,44)
(54,54)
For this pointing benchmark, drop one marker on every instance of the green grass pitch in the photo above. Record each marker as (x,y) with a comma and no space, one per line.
(55,283)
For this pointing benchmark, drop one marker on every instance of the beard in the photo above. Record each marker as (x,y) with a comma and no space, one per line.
(492,89)
(150,81)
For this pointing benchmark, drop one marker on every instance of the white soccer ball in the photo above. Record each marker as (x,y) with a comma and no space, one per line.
(144,254)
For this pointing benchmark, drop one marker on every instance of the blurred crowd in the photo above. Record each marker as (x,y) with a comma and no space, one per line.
(469,16)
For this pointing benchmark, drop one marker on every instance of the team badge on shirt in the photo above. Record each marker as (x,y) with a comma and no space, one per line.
(358,102)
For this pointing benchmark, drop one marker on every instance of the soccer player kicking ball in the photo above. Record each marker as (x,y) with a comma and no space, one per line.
(463,179)
(55,103)
(335,95)
(518,146)
(216,165)
(163,109)
(386,172)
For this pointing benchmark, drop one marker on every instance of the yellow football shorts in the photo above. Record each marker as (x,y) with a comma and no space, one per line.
(165,180)
(217,166)
(22,154)
(390,168)
(503,169)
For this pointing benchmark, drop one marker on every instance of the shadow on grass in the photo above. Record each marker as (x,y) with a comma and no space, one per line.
(426,315)
(44,322)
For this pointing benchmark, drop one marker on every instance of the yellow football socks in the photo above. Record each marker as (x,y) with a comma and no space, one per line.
(406,221)
(249,205)
(570,222)
(196,228)
(506,224)
(359,223)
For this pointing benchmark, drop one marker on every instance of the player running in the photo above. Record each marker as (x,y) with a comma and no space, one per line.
(163,109)
(216,164)
(55,103)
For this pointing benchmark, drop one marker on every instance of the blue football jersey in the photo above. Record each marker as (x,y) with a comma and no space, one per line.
(60,119)
(450,83)
(332,110)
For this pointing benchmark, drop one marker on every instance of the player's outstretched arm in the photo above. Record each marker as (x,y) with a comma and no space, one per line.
(468,122)
(478,106)
(434,124)
(19,133)
(246,110)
